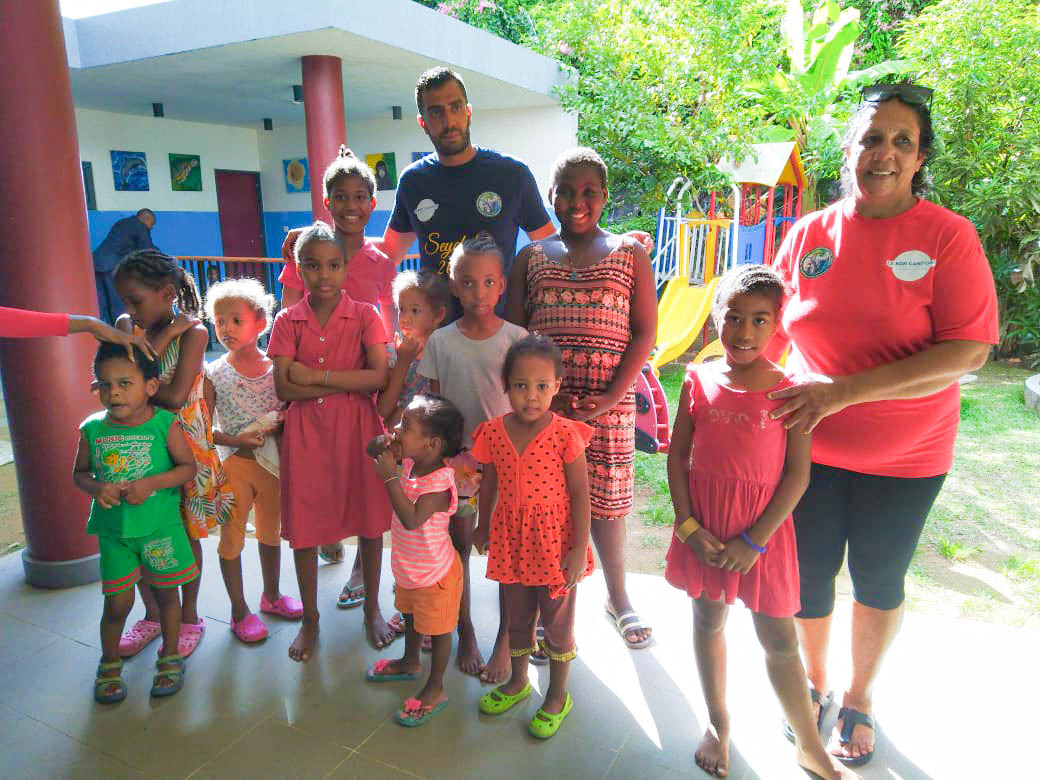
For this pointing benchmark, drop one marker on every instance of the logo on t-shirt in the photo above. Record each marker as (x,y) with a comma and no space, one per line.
(489,204)
(816,262)
(425,209)
(911,265)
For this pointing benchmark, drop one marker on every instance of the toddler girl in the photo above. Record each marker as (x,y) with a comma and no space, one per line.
(427,569)
(734,535)
(593,293)
(329,356)
(247,414)
(132,459)
(151,284)
(536,480)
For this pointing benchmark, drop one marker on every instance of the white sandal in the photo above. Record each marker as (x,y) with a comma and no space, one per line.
(627,622)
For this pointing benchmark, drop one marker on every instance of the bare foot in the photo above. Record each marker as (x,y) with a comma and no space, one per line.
(357,577)
(378,632)
(824,765)
(499,666)
(469,658)
(713,753)
(399,666)
(303,645)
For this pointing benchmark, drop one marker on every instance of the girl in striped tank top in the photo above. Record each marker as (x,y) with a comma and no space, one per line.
(426,566)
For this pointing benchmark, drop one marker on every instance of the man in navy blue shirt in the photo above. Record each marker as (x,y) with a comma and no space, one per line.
(127,235)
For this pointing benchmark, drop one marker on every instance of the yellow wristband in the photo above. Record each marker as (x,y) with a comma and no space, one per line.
(687,528)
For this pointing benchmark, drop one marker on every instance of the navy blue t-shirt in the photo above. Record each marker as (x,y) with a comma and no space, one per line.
(444,205)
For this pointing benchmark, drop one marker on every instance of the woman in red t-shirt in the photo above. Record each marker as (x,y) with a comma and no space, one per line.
(892,300)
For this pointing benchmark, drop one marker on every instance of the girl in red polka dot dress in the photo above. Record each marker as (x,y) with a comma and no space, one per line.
(536,481)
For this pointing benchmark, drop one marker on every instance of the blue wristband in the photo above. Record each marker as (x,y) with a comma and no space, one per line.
(751,543)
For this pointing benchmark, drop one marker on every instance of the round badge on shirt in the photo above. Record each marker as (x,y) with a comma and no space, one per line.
(489,204)
(816,262)
(425,209)
(911,265)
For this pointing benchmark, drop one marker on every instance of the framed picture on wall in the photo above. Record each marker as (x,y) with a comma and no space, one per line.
(385,168)
(129,171)
(297,175)
(185,173)
(88,186)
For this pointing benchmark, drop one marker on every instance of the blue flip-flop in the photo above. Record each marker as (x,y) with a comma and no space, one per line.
(414,713)
(374,673)
(176,675)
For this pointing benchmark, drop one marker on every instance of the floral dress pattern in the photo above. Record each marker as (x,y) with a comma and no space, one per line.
(206,501)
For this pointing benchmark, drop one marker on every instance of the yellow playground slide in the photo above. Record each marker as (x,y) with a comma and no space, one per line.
(681,314)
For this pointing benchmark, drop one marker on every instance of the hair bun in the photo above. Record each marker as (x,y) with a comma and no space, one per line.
(345,152)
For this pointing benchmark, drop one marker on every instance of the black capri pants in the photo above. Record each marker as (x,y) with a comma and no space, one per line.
(879,518)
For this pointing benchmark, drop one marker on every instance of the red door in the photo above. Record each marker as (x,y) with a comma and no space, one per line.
(241,220)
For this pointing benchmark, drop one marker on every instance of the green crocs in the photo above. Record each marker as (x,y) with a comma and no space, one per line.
(175,675)
(496,702)
(545,724)
(102,683)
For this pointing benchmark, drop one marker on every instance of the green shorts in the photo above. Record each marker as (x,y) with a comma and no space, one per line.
(165,554)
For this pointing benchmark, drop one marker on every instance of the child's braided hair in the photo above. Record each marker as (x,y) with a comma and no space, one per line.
(155,270)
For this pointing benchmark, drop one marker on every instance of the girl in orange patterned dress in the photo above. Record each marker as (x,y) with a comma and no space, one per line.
(150,284)
(593,293)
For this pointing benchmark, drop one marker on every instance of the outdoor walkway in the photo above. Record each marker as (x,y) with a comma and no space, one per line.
(957,699)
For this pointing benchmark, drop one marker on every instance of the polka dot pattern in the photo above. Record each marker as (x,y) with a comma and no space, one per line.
(531,528)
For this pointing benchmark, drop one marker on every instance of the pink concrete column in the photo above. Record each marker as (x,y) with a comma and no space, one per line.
(45,264)
(325,119)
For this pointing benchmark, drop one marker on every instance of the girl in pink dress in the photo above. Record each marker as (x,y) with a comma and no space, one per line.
(735,475)
(329,355)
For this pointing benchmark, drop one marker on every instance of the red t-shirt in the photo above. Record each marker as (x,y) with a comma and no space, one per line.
(865,292)
(25,324)
(370,275)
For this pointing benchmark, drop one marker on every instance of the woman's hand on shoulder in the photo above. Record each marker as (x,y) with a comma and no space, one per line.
(811,398)
(706,546)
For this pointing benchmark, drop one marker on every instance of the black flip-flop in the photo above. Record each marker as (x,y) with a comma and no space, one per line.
(850,718)
(823,699)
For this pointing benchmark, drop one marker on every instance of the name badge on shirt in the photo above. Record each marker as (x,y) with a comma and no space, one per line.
(911,265)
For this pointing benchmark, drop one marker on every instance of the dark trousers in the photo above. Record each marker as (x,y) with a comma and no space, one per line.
(110,305)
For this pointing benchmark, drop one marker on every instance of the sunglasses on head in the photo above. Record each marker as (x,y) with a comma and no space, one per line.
(911,94)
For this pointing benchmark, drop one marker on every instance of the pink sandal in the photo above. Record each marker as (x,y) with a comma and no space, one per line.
(249,629)
(284,606)
(140,635)
(190,636)
(396,624)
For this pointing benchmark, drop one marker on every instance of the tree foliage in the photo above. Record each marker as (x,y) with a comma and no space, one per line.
(979,55)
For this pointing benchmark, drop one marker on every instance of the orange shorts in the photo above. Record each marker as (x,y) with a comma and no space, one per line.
(434,610)
(256,488)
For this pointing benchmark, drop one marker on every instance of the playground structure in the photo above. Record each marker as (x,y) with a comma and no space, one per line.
(695,246)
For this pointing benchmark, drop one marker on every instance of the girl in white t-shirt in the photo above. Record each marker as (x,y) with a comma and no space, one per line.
(239,391)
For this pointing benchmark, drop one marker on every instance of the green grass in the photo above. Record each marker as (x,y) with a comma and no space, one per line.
(951,550)
(1024,569)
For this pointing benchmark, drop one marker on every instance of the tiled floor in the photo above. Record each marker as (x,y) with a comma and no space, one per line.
(957,699)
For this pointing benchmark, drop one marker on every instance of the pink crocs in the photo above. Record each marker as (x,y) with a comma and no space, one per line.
(285,606)
(190,636)
(249,629)
(140,635)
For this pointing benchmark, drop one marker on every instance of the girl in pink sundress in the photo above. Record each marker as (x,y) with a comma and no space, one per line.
(735,475)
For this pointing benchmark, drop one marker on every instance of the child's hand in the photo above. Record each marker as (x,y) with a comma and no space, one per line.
(109,495)
(138,491)
(249,440)
(574,565)
(386,464)
(592,406)
(737,556)
(705,546)
(305,375)
(378,446)
(180,325)
(563,404)
(409,348)
(482,538)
